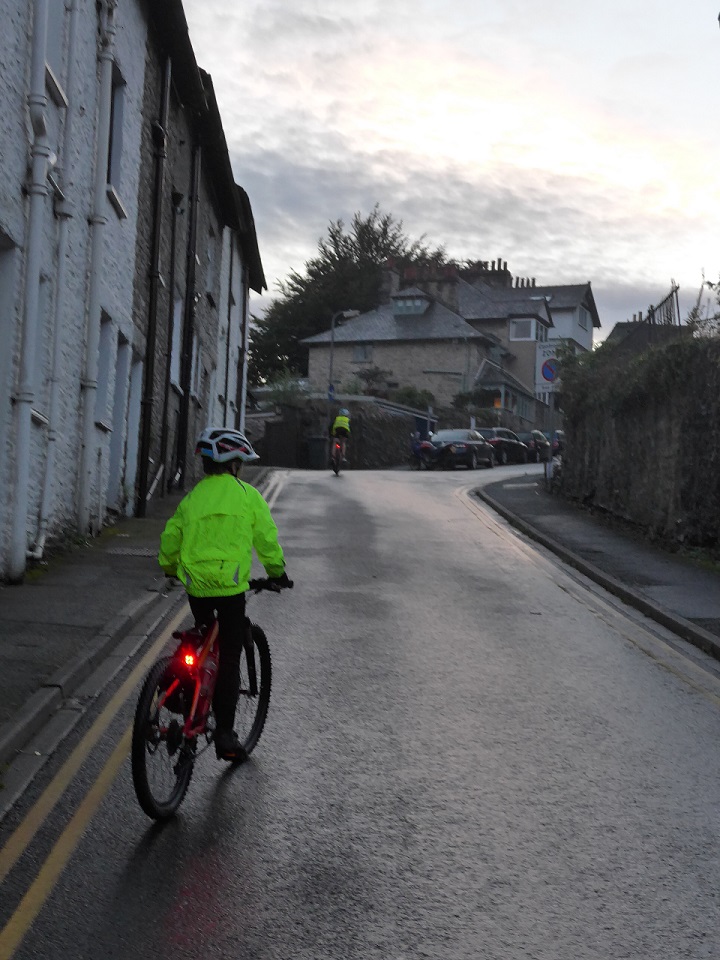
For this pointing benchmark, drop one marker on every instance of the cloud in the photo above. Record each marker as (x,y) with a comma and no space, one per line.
(575,142)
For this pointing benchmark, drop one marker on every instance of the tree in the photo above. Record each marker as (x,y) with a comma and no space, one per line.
(413,397)
(346,274)
(704,318)
(374,381)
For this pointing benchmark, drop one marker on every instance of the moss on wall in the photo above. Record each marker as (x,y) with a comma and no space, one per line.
(643,437)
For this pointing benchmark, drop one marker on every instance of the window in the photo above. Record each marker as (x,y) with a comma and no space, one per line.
(521,330)
(210,266)
(115,143)
(196,369)
(542,333)
(176,344)
(42,340)
(584,318)
(104,367)
(54,51)
(362,353)
(410,305)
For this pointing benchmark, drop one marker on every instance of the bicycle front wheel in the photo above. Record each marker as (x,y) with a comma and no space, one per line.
(255,682)
(162,759)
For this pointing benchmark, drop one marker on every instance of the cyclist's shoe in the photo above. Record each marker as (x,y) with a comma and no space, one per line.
(228,747)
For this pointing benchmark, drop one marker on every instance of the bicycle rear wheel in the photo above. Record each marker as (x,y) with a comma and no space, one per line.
(162,759)
(255,682)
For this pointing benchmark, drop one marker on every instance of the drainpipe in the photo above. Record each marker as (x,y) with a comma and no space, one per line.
(64,211)
(160,138)
(176,212)
(88,453)
(229,325)
(37,191)
(189,324)
(242,398)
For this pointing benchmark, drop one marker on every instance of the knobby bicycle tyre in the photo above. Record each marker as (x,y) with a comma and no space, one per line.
(162,761)
(255,683)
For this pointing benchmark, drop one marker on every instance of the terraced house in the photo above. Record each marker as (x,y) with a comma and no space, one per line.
(126,255)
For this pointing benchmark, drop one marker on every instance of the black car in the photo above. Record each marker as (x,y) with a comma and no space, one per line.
(461,446)
(537,444)
(507,446)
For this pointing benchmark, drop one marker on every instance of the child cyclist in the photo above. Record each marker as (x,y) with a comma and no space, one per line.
(340,428)
(208,546)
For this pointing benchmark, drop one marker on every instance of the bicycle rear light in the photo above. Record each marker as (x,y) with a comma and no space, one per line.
(189,658)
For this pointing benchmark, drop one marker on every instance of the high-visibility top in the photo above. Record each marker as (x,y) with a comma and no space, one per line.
(208,542)
(341,422)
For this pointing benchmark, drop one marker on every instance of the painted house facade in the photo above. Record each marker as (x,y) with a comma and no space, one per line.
(85,251)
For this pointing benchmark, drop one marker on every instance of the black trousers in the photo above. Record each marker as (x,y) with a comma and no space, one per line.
(230,612)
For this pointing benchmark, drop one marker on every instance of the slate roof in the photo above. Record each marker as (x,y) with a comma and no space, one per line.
(438,322)
(569,296)
(483,302)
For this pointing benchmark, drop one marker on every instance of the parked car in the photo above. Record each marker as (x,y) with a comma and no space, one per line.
(507,446)
(537,444)
(558,441)
(461,446)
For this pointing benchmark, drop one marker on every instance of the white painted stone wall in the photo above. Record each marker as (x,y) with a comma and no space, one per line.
(118,248)
(224,409)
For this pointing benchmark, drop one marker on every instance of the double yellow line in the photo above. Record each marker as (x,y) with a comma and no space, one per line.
(42,887)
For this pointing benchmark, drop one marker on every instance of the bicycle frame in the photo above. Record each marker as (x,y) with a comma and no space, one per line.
(188,661)
(338,453)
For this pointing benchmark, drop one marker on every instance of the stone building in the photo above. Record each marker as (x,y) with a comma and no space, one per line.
(93,187)
(451,330)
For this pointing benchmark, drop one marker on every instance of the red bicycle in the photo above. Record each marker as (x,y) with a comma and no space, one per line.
(174,722)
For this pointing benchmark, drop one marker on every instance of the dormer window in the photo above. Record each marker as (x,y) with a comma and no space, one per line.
(409,306)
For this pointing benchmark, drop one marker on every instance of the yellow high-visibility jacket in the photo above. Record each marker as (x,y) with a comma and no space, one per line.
(208,542)
(340,422)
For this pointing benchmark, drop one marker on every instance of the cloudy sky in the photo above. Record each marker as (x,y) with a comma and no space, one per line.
(577,140)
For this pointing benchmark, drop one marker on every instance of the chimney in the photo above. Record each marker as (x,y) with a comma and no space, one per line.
(533,282)
(390,283)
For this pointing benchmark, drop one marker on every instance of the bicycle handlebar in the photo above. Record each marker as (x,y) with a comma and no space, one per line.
(267,583)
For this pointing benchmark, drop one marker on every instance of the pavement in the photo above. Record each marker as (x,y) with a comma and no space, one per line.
(98,601)
(94,606)
(679,592)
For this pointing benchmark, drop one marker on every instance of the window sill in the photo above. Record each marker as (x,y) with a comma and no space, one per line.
(54,88)
(39,418)
(116,202)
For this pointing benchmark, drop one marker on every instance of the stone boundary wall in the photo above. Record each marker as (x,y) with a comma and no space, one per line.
(643,440)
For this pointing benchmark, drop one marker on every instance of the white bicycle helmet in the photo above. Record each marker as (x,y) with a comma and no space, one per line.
(222,444)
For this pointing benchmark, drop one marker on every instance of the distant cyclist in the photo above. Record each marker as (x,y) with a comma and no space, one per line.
(208,546)
(340,428)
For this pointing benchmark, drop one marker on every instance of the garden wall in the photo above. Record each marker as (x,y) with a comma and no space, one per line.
(643,438)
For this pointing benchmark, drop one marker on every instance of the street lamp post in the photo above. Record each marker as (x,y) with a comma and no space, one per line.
(346,315)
